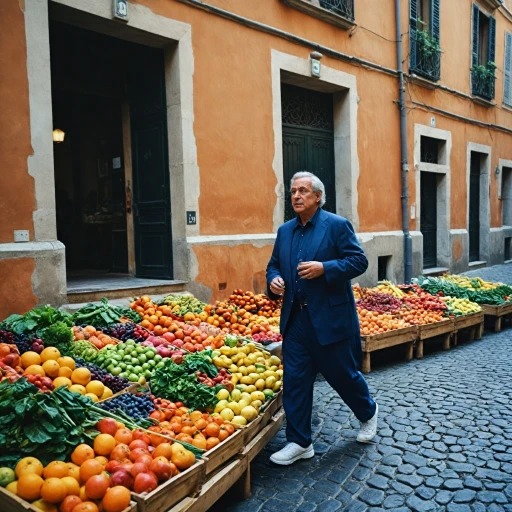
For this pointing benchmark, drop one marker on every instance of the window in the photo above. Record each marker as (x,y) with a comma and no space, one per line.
(483,54)
(383,267)
(429,152)
(507,73)
(424,27)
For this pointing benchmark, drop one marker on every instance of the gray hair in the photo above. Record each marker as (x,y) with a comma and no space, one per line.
(318,186)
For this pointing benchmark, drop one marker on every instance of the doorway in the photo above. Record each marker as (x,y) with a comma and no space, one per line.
(112,195)
(308,140)
(428,218)
(474,207)
(506,196)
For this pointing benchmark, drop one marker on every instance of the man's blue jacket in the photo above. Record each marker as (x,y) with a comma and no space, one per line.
(329,297)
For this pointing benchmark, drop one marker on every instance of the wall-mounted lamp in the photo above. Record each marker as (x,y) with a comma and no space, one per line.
(497,170)
(58,135)
(316,67)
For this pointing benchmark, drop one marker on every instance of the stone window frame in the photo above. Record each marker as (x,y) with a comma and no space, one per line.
(443,188)
(485,199)
(297,71)
(175,38)
(501,164)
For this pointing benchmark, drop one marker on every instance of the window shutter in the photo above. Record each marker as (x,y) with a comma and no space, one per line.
(413,28)
(476,24)
(507,80)
(492,40)
(435,26)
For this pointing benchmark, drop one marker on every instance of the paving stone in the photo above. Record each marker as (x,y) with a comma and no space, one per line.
(453,484)
(401,488)
(378,481)
(329,506)
(386,471)
(392,460)
(287,485)
(295,498)
(372,496)
(361,473)
(435,481)
(492,497)
(426,472)
(330,488)
(419,505)
(455,507)
(355,506)
(415,460)
(444,497)
(472,483)
(393,501)
(412,480)
(464,496)
(272,505)
(407,469)
(425,493)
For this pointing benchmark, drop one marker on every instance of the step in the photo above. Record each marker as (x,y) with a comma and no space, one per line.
(85,290)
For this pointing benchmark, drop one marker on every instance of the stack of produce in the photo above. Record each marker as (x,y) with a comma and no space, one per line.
(389,288)
(127,331)
(115,383)
(422,310)
(259,304)
(460,307)
(481,294)
(182,304)
(93,336)
(103,315)
(474,283)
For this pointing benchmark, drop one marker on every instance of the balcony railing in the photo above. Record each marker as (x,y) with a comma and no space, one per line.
(425,56)
(482,82)
(343,8)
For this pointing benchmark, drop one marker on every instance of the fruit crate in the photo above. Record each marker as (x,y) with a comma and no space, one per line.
(224,451)
(271,407)
(472,325)
(371,343)
(165,496)
(9,502)
(495,314)
(444,328)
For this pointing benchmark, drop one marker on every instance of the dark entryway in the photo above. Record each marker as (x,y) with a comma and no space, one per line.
(428,221)
(308,140)
(474,207)
(106,91)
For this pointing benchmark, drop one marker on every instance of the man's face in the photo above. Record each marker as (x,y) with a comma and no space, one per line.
(304,200)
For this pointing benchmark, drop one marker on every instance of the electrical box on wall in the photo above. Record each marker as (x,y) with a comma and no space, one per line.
(21,235)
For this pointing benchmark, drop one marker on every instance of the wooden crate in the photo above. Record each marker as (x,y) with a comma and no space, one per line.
(264,436)
(443,328)
(271,408)
(11,503)
(495,314)
(228,449)
(472,324)
(371,343)
(174,490)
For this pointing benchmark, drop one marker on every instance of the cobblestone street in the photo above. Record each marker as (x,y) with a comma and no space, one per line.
(444,443)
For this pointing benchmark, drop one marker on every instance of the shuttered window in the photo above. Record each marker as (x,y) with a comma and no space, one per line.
(507,78)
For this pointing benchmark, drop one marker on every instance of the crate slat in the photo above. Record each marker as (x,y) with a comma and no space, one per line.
(228,449)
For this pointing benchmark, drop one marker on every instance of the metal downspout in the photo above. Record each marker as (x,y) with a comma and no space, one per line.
(403,150)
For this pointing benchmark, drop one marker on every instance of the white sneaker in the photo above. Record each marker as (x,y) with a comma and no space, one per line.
(368,429)
(291,453)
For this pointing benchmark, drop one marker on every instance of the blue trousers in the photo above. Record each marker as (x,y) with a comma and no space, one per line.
(303,359)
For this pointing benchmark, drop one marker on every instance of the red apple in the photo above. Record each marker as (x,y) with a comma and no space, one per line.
(145,459)
(138,443)
(112,465)
(138,452)
(122,477)
(107,426)
(169,336)
(162,470)
(145,482)
(137,468)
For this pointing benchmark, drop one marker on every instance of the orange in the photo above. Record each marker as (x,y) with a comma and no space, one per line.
(29,465)
(64,371)
(72,485)
(106,394)
(81,376)
(69,503)
(95,387)
(61,381)
(90,468)
(53,490)
(82,453)
(51,368)
(92,396)
(67,362)
(104,444)
(13,487)
(50,353)
(124,436)
(29,486)
(116,499)
(74,470)
(102,460)
(56,469)
(77,388)
(86,506)
(29,358)
(35,369)
(82,494)
(97,486)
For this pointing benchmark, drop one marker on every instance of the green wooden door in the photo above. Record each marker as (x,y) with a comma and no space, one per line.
(151,177)
(308,140)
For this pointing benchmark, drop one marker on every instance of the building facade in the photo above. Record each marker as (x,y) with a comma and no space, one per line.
(183,120)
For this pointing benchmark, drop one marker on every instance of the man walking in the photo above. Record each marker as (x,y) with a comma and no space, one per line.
(315,256)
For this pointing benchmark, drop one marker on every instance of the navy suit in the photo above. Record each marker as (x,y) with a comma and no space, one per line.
(324,336)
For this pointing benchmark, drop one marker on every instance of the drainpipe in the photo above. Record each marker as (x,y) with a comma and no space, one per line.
(403,150)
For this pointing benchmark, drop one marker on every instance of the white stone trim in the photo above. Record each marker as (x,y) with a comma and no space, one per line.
(346,160)
(176,39)
(40,162)
(443,187)
(485,201)
(258,240)
(502,163)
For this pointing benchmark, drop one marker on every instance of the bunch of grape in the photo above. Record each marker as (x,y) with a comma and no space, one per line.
(27,342)
(7,337)
(127,331)
(138,406)
(116,384)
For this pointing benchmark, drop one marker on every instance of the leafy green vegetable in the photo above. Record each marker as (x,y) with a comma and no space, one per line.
(103,314)
(200,361)
(35,320)
(48,426)
(178,382)
(60,336)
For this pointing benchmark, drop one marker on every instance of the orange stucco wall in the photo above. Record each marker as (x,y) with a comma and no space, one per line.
(17,201)
(16,286)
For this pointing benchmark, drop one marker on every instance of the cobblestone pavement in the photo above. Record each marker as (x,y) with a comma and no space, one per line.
(444,443)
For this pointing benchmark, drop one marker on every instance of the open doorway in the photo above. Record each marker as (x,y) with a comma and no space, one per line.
(112,169)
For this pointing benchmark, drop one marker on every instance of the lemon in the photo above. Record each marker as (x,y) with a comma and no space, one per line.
(239,420)
(227,414)
(235,407)
(222,404)
(223,394)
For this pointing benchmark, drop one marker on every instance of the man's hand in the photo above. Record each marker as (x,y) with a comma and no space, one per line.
(277,286)
(311,269)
